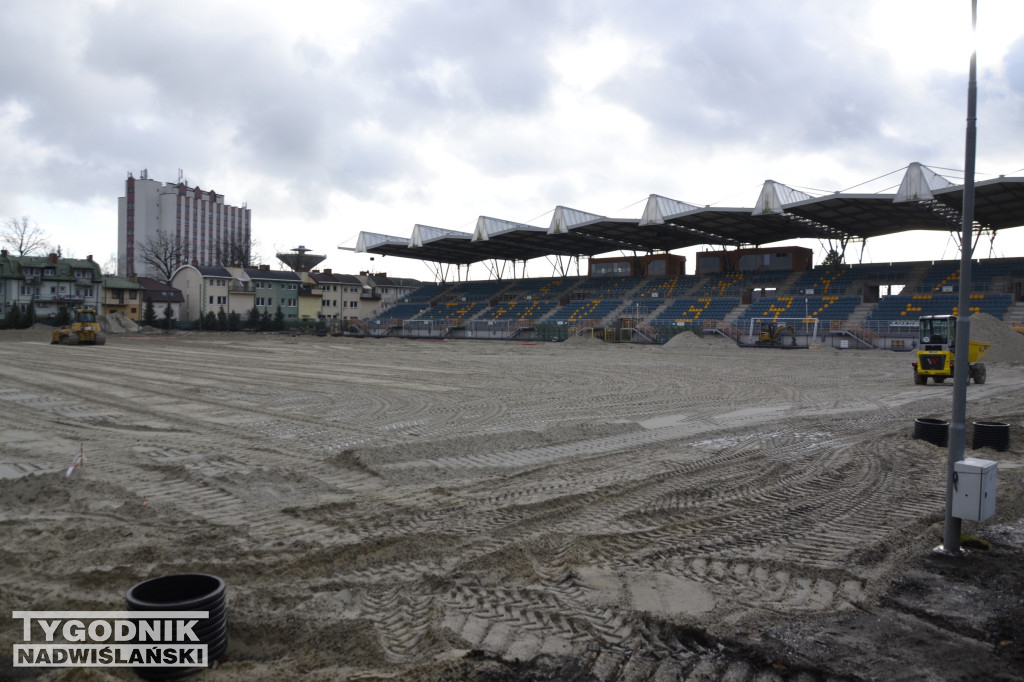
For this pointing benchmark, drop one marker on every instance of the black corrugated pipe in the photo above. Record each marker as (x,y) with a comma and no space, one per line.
(995,435)
(186,592)
(935,431)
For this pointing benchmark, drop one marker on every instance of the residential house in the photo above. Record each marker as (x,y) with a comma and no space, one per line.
(121,295)
(357,299)
(211,288)
(161,295)
(330,293)
(381,292)
(48,283)
(310,298)
(273,289)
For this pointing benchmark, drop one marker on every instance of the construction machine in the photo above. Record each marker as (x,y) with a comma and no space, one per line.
(936,352)
(84,328)
(772,334)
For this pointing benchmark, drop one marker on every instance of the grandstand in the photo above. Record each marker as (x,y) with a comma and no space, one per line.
(847,301)
(649,297)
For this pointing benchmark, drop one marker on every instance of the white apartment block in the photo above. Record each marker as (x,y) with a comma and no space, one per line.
(209,232)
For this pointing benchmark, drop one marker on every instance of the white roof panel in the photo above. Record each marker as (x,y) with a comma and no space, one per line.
(658,207)
(494,227)
(370,240)
(424,234)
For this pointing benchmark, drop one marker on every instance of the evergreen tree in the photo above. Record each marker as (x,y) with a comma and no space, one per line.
(266,324)
(13,320)
(63,316)
(168,316)
(210,321)
(234,321)
(149,314)
(279,320)
(222,320)
(253,320)
(30,315)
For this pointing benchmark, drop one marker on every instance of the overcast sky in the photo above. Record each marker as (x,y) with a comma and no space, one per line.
(328,118)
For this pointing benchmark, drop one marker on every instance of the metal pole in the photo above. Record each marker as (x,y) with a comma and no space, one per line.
(957,426)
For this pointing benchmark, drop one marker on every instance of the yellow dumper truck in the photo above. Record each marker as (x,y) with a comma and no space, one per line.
(936,351)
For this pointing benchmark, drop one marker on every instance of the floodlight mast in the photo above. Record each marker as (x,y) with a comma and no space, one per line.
(957,425)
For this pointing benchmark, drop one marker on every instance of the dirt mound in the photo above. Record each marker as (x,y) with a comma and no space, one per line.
(688,341)
(1007,345)
(585,340)
(118,323)
(37,332)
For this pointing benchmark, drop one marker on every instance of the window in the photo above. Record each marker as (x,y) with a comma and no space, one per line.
(211,300)
(222,300)
(49,272)
(131,295)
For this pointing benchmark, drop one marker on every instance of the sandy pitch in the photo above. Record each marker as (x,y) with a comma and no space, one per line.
(380,507)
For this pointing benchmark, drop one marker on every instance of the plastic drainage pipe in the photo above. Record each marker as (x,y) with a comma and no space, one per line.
(185,592)
(934,431)
(995,435)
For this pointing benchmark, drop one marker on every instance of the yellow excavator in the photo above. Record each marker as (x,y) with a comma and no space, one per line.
(936,351)
(85,328)
(773,334)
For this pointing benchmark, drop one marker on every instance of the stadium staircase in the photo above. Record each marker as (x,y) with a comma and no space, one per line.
(916,277)
(1015,315)
(860,314)
(735,314)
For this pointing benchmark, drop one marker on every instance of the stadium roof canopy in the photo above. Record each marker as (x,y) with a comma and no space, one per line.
(924,201)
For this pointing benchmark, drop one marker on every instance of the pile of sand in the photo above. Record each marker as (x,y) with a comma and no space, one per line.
(118,323)
(688,341)
(1007,345)
(584,340)
(37,332)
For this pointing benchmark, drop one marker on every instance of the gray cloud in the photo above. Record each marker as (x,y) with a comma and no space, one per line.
(1015,66)
(124,86)
(766,79)
(462,59)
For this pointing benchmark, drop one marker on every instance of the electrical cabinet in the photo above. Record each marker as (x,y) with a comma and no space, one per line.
(974,489)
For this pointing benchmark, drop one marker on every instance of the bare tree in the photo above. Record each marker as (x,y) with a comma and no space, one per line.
(163,254)
(235,251)
(110,267)
(23,237)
